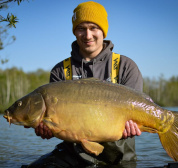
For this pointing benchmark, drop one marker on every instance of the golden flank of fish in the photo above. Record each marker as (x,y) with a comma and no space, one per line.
(89,111)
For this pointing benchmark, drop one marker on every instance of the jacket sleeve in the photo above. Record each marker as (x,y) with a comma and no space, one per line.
(129,74)
(57,73)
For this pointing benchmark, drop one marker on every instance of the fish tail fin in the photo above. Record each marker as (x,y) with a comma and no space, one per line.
(169,139)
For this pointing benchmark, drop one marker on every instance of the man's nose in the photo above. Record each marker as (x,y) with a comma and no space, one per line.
(88,34)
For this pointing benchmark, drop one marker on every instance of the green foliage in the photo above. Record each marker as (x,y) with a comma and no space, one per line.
(11,19)
(37,78)
(163,92)
(16,84)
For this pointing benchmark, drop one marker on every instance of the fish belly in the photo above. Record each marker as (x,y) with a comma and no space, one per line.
(76,121)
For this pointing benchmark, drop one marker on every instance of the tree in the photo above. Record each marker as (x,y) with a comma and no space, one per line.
(10,18)
(11,22)
(4,38)
(15,83)
(4,41)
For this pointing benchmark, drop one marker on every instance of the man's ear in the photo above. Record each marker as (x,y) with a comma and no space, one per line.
(75,31)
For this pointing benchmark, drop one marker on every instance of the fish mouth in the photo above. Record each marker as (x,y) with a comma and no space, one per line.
(8,117)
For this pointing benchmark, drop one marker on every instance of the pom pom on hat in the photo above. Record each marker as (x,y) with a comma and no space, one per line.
(91,12)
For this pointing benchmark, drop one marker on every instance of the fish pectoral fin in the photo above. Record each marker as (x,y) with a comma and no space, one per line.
(148,129)
(92,147)
(51,125)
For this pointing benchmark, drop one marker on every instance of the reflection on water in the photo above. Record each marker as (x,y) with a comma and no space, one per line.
(20,146)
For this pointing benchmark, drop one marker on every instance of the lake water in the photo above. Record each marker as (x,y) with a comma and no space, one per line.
(20,146)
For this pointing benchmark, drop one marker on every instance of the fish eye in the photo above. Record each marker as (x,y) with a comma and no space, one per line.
(19,103)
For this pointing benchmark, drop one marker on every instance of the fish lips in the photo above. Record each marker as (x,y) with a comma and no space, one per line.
(7,116)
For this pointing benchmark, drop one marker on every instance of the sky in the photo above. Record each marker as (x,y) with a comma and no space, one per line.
(144,30)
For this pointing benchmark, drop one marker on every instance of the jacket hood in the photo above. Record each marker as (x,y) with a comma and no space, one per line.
(107,49)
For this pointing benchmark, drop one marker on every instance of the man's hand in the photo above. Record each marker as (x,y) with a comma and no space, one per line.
(43,131)
(131,129)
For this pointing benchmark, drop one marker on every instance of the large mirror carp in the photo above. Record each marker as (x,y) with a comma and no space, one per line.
(89,111)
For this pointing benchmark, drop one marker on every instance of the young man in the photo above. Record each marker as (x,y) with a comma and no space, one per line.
(91,56)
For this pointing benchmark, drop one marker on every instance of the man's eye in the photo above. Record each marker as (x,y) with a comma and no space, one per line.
(80,28)
(94,28)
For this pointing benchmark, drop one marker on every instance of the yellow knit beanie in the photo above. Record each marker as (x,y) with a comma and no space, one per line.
(91,12)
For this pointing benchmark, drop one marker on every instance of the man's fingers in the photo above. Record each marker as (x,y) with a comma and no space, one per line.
(127,127)
(43,131)
(124,134)
(37,131)
(40,129)
(50,134)
(138,132)
(132,128)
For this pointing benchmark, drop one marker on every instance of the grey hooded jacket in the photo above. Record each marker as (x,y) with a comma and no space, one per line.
(100,67)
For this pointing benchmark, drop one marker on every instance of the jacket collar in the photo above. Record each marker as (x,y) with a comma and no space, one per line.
(108,47)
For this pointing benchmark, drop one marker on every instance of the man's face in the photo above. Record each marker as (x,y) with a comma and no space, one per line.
(89,38)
